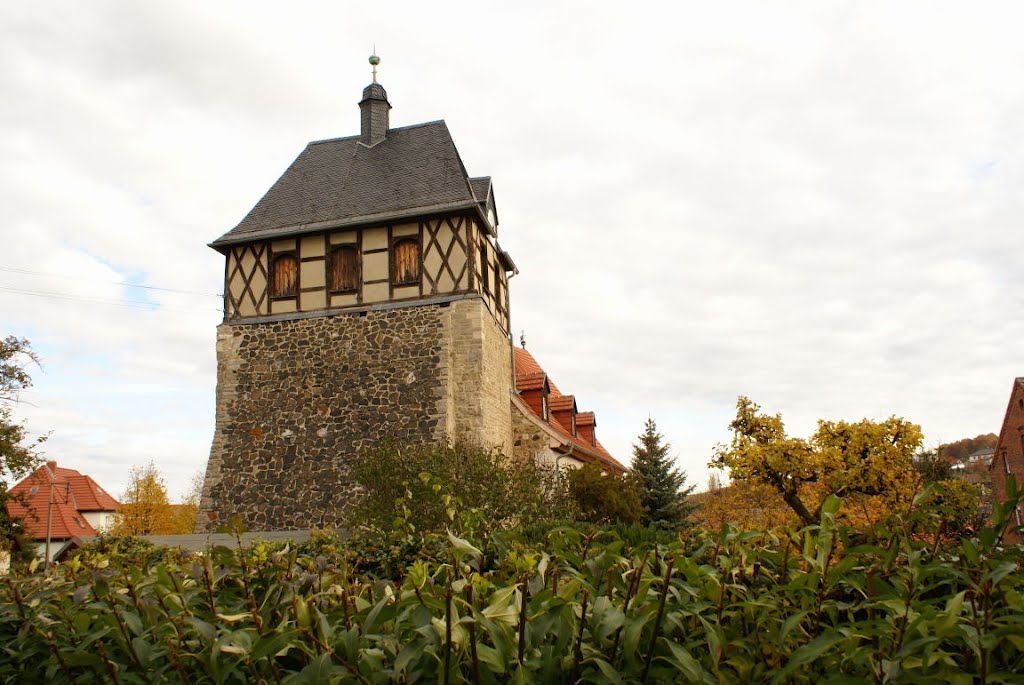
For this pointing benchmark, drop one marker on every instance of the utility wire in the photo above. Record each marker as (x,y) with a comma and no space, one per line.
(134,304)
(122,283)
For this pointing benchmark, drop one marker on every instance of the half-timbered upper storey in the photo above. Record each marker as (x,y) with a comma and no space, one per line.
(387,216)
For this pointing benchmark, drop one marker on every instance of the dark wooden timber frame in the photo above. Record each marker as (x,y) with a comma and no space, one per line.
(462,228)
(304,260)
(233,267)
(459,227)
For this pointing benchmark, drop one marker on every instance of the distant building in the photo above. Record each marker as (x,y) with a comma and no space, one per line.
(62,501)
(1008,457)
(982,456)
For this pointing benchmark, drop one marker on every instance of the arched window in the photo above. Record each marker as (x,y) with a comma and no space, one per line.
(285,276)
(405,262)
(344,269)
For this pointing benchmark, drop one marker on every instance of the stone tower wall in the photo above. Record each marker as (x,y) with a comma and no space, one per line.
(480,382)
(297,398)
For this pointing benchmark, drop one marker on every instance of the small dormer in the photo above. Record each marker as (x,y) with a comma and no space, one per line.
(534,389)
(483,190)
(586,427)
(563,410)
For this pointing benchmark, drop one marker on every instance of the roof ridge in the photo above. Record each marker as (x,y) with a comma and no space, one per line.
(396,128)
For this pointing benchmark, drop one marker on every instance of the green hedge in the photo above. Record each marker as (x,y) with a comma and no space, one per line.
(826,604)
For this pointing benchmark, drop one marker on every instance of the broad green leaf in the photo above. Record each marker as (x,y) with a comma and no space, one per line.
(490,656)
(464,549)
(683,661)
(812,650)
(317,672)
(271,644)
(81,658)
(206,630)
(607,670)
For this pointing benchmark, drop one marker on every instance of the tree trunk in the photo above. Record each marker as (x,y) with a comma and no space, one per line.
(795,503)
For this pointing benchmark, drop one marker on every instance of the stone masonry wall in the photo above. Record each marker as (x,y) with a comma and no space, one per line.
(480,378)
(296,399)
(529,441)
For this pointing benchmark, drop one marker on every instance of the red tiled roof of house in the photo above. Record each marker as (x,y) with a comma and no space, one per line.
(530,381)
(527,372)
(527,366)
(561,402)
(525,363)
(73,494)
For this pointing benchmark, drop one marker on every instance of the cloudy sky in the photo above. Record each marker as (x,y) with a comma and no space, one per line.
(816,204)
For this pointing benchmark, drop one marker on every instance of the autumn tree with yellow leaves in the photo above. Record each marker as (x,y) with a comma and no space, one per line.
(745,504)
(868,462)
(145,509)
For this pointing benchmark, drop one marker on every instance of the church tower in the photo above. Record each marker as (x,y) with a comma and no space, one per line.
(365,296)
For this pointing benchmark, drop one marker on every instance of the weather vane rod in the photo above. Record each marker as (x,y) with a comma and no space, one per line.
(374,61)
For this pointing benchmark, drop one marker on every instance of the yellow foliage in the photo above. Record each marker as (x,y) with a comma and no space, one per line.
(145,509)
(746,504)
(868,463)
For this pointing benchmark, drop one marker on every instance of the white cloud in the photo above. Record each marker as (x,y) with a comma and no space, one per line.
(814,204)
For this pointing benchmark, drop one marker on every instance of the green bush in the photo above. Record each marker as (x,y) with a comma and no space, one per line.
(605,497)
(828,603)
(468,489)
(130,550)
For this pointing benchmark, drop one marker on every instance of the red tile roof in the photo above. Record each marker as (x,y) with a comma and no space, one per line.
(73,494)
(530,381)
(528,371)
(561,402)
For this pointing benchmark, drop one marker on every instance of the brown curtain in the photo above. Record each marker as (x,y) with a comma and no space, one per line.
(344,269)
(406,262)
(286,276)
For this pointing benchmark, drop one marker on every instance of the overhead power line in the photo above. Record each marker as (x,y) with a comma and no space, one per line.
(93,280)
(133,304)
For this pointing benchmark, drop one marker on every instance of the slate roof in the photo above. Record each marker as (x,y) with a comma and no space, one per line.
(528,371)
(67,520)
(481,188)
(414,171)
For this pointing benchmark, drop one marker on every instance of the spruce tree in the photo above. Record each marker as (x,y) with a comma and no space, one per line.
(663,488)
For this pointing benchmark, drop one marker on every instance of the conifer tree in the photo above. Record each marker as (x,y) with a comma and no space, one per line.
(663,489)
